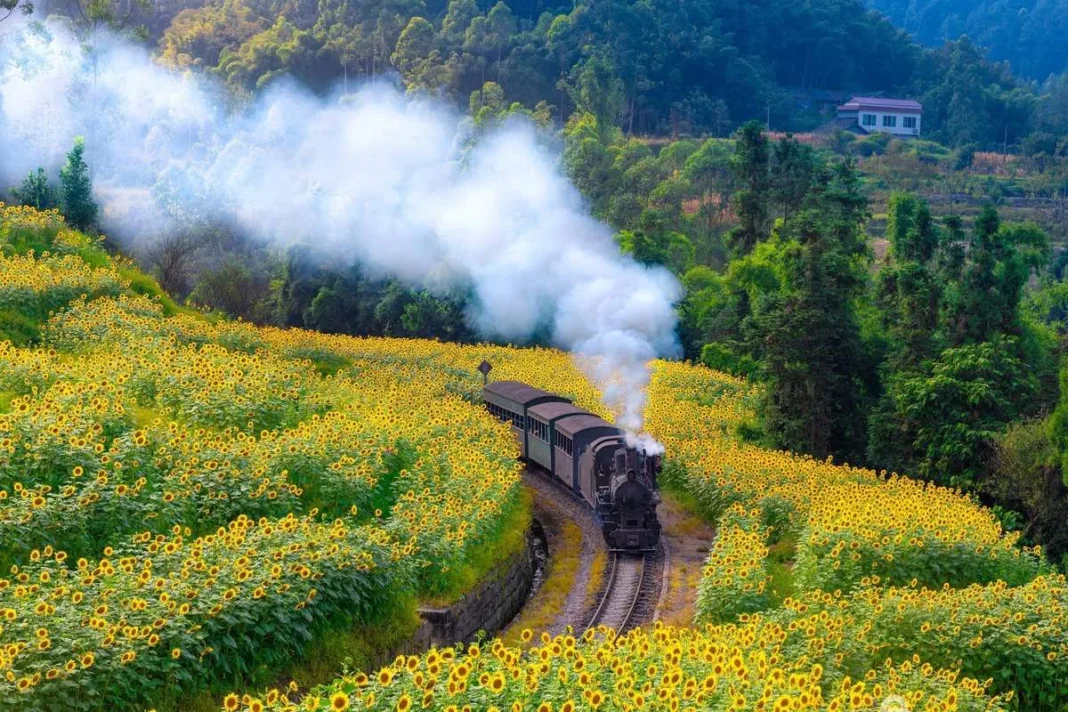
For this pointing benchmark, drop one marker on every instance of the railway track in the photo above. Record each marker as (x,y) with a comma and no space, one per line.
(629,595)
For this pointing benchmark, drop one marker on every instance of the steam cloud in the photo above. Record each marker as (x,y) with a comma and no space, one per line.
(373,176)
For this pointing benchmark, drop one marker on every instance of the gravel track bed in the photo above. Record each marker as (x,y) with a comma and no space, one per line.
(553,505)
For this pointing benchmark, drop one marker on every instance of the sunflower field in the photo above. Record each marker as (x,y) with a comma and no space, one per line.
(187,502)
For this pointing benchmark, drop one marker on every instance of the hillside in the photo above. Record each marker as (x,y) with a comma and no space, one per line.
(1027,34)
(700,67)
(175,492)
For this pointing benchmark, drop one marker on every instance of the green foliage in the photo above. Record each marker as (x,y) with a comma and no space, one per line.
(76,189)
(808,332)
(656,67)
(36,191)
(232,288)
(721,358)
(670,249)
(18,328)
(1025,474)
(1058,425)
(311,294)
(961,363)
(953,408)
(596,90)
(751,165)
(1024,35)
(984,298)
(794,169)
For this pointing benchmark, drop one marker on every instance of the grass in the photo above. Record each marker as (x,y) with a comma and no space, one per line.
(19,328)
(693,523)
(483,561)
(143,415)
(143,284)
(681,578)
(671,489)
(781,556)
(596,577)
(683,575)
(330,364)
(560,574)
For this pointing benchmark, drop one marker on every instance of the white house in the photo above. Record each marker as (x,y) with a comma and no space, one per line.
(900,117)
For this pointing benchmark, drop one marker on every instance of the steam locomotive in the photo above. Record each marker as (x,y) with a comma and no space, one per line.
(587,455)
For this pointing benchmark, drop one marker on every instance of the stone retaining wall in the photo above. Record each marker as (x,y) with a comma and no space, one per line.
(489,607)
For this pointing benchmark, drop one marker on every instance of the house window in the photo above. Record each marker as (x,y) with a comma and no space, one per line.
(889,122)
(909,122)
(867,120)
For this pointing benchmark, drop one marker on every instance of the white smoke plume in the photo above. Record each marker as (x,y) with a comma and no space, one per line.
(374,176)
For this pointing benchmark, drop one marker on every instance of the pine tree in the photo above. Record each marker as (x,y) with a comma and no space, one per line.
(76,189)
(751,165)
(36,191)
(808,331)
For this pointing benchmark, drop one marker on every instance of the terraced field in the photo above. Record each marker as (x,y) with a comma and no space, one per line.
(191,506)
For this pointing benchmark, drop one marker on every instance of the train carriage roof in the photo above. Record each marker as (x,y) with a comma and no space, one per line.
(521,393)
(576,424)
(552,411)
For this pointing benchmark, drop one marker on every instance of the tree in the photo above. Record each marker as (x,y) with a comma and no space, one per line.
(231,288)
(344,43)
(428,317)
(793,167)
(597,91)
(658,247)
(117,15)
(961,361)
(952,410)
(36,191)
(478,40)
(414,45)
(983,296)
(457,19)
(502,27)
(76,189)
(588,161)
(7,8)
(171,259)
(709,171)
(910,288)
(807,332)
(753,177)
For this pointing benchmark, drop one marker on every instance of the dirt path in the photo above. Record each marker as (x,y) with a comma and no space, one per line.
(687,539)
(576,563)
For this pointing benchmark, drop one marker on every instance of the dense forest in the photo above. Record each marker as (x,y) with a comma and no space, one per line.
(698,68)
(1029,34)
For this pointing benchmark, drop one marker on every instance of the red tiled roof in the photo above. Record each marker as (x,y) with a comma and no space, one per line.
(876,102)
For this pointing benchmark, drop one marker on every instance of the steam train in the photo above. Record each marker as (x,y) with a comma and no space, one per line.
(587,455)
